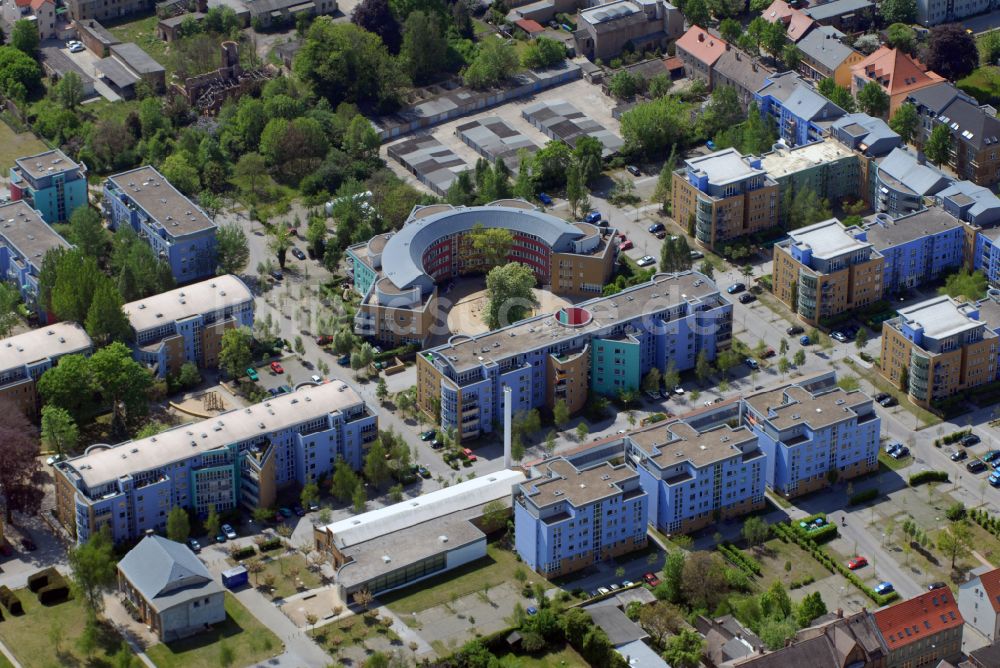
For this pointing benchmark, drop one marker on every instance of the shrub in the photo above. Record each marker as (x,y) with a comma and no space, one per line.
(38,581)
(242,553)
(272,543)
(955,511)
(928,476)
(862,497)
(10,601)
(55,592)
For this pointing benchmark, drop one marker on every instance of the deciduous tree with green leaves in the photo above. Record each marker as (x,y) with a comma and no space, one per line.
(509,288)
(235,353)
(178,525)
(59,430)
(905,122)
(94,570)
(232,249)
(938,148)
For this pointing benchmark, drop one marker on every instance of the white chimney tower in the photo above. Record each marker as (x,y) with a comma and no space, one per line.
(507,419)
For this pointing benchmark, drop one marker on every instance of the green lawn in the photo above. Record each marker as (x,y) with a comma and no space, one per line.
(4,663)
(143,33)
(284,585)
(248,639)
(354,631)
(566,656)
(893,464)
(14,146)
(774,557)
(983,84)
(496,568)
(47,635)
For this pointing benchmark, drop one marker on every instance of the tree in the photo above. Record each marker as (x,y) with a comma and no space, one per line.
(344,481)
(178,525)
(673,575)
(251,168)
(651,381)
(665,182)
(730,29)
(359,499)
(10,300)
(106,321)
(873,100)
(696,12)
(807,208)
(234,353)
(122,383)
(783,365)
(509,288)
(425,46)
(68,385)
(704,581)
(660,620)
(495,515)
(905,122)
(375,16)
(20,74)
(59,430)
(965,285)
(839,95)
(543,52)
(799,358)
(381,390)
(624,85)
(212,522)
(495,62)
(581,431)
(376,468)
(773,38)
(989,47)
(684,650)
(723,111)
(650,128)
(19,463)
(901,36)
(861,339)
(493,243)
(952,52)
(755,531)
(87,232)
(232,251)
(576,190)
(775,601)
(69,90)
(955,541)
(24,36)
(938,148)
(309,495)
(898,11)
(94,570)
(560,413)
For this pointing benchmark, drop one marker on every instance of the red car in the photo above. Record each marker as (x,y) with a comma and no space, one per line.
(651,579)
(769,353)
(625,245)
(856,563)
(277,368)
(324,340)
(469,454)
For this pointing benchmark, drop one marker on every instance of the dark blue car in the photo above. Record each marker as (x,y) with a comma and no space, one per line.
(545,199)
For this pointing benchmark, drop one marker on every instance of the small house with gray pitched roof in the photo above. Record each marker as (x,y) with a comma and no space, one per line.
(172,591)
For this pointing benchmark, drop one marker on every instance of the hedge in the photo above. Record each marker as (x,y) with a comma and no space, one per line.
(242,553)
(402,352)
(10,601)
(41,579)
(55,592)
(827,532)
(740,559)
(270,544)
(928,476)
(953,437)
(862,497)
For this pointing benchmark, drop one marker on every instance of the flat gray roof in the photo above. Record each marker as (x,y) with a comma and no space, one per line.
(203,297)
(562,481)
(674,442)
(495,139)
(113,70)
(178,215)
(884,231)
(827,239)
(784,161)
(725,166)
(23,228)
(792,405)
(434,164)
(45,164)
(102,466)
(561,120)
(940,317)
(135,58)
(836,8)
(52,341)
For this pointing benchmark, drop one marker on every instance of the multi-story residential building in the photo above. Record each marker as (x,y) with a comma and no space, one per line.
(397,273)
(726,194)
(742,72)
(813,436)
(25,357)
(824,56)
(917,248)
(979,601)
(178,231)
(868,136)
(801,115)
(238,458)
(827,167)
(979,209)
(699,50)
(50,183)
(897,73)
(849,16)
(24,240)
(187,324)
(270,13)
(937,348)
(694,478)
(565,355)
(106,10)
(567,518)
(604,30)
(42,13)
(933,12)
(822,270)
(797,23)
(921,631)
(899,182)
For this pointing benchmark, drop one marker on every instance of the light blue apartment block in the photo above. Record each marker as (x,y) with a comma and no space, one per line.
(179,232)
(799,112)
(695,478)
(567,518)
(616,364)
(24,240)
(813,435)
(238,458)
(918,248)
(50,183)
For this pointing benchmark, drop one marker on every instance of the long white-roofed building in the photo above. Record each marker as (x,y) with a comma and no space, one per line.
(25,357)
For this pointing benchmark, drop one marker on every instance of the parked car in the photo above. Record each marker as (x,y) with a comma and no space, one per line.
(769,353)
(299,255)
(657,227)
(959,455)
(277,275)
(229,531)
(651,395)
(545,199)
(976,466)
(469,454)
(856,563)
(316,378)
(881,395)
(991,456)
(747,298)
(804,340)
(252,374)
(793,330)
(883,588)
(285,512)
(662,234)
(994,479)
(936,585)
(892,447)
(436,444)
(603,591)
(532,610)
(903,451)
(651,579)
(626,244)
(752,363)
(970,440)
(428,435)
(615,586)
(192,543)
(54,459)
(888,402)
(633,170)
(697,255)
(839,336)
(424,473)
(603,223)
(324,340)
(735,288)
(344,360)
(220,538)
(277,368)
(593,217)
(679,391)
(646,260)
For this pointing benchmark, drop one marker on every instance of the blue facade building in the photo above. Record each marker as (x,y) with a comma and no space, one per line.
(187,324)
(801,115)
(567,518)
(899,182)
(239,458)
(178,231)
(696,478)
(25,238)
(25,357)
(918,248)
(813,434)
(50,183)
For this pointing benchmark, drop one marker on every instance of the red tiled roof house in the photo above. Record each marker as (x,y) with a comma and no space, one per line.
(699,50)
(923,630)
(897,73)
(979,601)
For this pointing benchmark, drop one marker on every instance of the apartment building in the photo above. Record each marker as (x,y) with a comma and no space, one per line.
(696,478)
(238,458)
(565,355)
(727,195)
(899,183)
(25,238)
(699,50)
(814,435)
(801,115)
(897,73)
(979,601)
(106,10)
(825,56)
(187,324)
(932,12)
(937,348)
(797,23)
(175,228)
(823,270)
(398,273)
(849,16)
(742,72)
(868,136)
(25,357)
(917,248)
(921,631)
(568,518)
(50,183)
(605,30)
(826,167)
